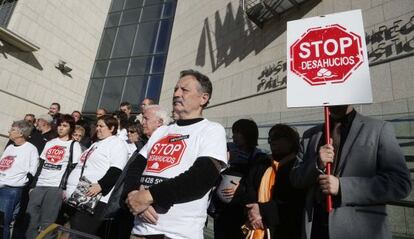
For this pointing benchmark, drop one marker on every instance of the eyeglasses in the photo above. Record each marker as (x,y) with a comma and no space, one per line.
(132,131)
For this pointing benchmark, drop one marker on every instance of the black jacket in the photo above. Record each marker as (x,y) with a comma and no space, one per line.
(283,213)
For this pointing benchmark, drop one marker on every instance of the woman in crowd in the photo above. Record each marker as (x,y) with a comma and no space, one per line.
(122,124)
(273,203)
(229,196)
(123,219)
(57,160)
(102,164)
(17,164)
(135,138)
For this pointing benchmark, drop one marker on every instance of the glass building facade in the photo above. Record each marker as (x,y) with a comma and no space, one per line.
(6,10)
(130,62)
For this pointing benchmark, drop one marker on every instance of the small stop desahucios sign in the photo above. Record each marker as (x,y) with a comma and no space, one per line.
(327,61)
(166,153)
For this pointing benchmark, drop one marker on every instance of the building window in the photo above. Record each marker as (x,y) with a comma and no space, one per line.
(6,10)
(130,62)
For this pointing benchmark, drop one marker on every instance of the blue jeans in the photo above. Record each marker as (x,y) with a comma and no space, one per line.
(9,198)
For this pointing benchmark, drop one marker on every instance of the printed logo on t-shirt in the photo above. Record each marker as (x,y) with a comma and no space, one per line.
(86,155)
(149,180)
(50,166)
(55,154)
(6,162)
(165,153)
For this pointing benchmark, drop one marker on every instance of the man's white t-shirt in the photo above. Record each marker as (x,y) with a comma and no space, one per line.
(170,151)
(109,152)
(16,162)
(56,157)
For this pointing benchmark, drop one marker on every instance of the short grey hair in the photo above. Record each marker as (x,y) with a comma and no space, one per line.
(47,118)
(203,80)
(24,128)
(160,113)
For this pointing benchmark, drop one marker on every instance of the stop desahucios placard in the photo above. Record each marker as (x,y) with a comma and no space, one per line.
(327,61)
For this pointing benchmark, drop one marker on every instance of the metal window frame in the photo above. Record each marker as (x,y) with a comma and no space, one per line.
(9,12)
(148,73)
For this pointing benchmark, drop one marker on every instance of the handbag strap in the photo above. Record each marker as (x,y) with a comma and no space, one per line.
(68,167)
(86,158)
(71,153)
(70,162)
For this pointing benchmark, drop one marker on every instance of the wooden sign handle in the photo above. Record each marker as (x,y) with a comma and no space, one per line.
(328,165)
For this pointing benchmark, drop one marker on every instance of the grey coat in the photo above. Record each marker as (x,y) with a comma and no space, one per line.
(372,171)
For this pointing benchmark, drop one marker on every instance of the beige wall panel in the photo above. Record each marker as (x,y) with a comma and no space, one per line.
(63,30)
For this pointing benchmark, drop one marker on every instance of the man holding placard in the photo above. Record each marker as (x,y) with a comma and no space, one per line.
(369,170)
(352,165)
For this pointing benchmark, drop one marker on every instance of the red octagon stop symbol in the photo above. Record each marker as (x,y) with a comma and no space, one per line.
(326,54)
(166,153)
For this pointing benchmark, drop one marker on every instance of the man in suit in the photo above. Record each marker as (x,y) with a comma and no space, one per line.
(368,170)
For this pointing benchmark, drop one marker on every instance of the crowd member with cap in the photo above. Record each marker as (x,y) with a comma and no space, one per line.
(178,182)
(44,126)
(18,165)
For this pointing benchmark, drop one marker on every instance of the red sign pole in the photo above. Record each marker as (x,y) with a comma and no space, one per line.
(328,165)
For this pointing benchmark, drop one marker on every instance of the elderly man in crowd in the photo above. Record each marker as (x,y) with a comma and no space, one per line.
(154,117)
(184,161)
(17,165)
(34,138)
(44,125)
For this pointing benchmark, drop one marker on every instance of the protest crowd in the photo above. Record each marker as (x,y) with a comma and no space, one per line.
(159,174)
